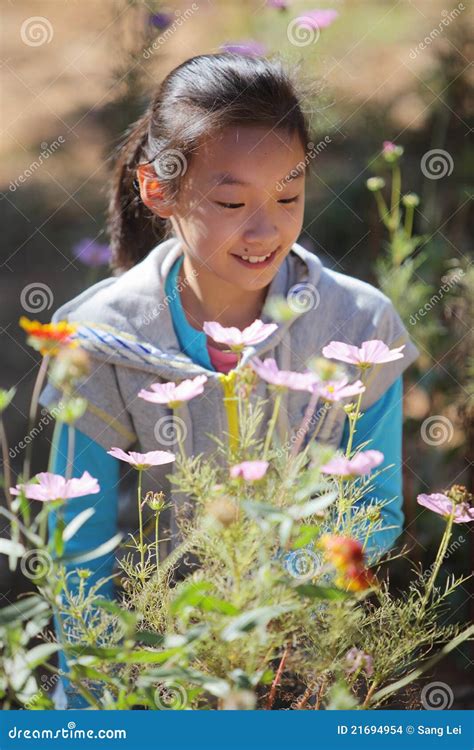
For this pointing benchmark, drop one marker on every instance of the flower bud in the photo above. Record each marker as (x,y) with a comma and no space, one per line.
(459,494)
(223,510)
(411,200)
(375,183)
(391,153)
(155,501)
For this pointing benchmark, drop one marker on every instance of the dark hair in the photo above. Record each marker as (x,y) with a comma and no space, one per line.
(204,94)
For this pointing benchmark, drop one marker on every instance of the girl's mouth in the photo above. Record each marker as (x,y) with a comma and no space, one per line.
(256,261)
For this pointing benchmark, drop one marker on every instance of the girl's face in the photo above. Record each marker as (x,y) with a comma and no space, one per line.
(240,205)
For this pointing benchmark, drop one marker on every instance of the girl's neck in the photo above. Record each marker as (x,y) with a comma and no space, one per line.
(205,298)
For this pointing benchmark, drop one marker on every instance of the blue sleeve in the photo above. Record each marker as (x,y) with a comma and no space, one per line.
(382,425)
(92,457)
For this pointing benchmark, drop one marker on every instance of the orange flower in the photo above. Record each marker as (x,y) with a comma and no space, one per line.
(48,338)
(347,556)
(342,551)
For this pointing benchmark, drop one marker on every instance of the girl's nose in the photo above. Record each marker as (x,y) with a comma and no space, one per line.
(261,230)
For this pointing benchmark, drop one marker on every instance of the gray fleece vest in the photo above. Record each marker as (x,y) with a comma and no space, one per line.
(125,324)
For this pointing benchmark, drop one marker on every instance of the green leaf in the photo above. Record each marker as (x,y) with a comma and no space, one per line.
(316,505)
(128,618)
(24,609)
(259,617)
(312,591)
(306,535)
(83,557)
(76,523)
(194,595)
(6,397)
(213,685)
(40,654)
(8,547)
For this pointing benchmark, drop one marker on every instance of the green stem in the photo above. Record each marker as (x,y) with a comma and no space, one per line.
(71,439)
(438,562)
(409,213)
(157,522)
(395,203)
(271,426)
(32,415)
(383,210)
(7,478)
(352,425)
(140,521)
(232,409)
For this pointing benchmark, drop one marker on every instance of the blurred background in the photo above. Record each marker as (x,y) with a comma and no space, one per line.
(77,74)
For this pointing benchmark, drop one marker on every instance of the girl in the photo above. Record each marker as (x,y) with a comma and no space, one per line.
(217,165)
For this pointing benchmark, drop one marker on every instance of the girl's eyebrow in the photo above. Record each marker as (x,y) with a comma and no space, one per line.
(225,178)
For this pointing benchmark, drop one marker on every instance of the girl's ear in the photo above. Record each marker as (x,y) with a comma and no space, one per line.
(151,191)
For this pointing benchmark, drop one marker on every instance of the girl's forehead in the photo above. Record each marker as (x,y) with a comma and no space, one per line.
(236,155)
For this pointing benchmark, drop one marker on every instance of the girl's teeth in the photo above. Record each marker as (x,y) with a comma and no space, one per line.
(255,258)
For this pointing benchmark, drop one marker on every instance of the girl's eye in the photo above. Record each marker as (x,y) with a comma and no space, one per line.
(230,205)
(289,200)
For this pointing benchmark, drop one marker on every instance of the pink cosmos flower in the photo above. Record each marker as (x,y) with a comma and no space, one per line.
(248,47)
(143,460)
(442,504)
(361,464)
(357,659)
(372,352)
(236,339)
(55,487)
(174,394)
(296,381)
(249,470)
(335,390)
(318,19)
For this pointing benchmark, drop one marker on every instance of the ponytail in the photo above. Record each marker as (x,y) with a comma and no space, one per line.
(133,229)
